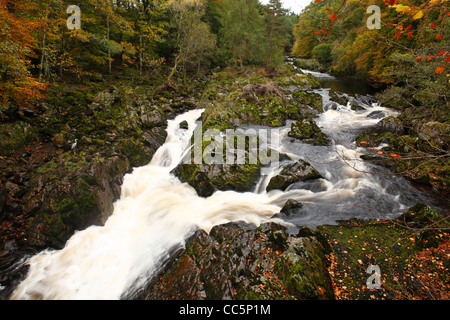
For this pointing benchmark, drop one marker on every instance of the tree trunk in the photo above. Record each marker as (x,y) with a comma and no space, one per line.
(44,49)
(109,49)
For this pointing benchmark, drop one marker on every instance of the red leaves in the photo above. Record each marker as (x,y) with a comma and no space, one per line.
(442,53)
(438,36)
(448,59)
(409,34)
(329,10)
(317,31)
(333,16)
(439,70)
(398,35)
(433,25)
(418,59)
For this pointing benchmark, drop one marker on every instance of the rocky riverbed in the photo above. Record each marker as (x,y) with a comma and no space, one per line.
(49,191)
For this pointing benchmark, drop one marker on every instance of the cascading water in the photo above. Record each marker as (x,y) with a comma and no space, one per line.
(157,213)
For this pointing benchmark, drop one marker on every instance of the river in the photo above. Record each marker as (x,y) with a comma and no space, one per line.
(157,213)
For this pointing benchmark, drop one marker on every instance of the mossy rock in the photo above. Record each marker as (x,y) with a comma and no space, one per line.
(307,131)
(206,179)
(299,171)
(308,99)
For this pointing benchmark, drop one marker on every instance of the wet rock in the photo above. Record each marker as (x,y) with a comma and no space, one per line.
(299,171)
(242,262)
(307,131)
(339,98)
(377,115)
(331,106)
(291,207)
(207,179)
(184,125)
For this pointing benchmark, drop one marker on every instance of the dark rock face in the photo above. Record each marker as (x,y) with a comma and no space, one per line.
(238,261)
(296,172)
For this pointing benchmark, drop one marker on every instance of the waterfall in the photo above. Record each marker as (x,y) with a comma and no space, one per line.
(157,213)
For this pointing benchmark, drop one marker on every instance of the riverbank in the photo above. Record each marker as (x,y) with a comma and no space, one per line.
(52,190)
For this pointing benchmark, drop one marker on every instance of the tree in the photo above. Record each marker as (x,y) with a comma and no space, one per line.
(16,48)
(242,29)
(277,31)
(194,40)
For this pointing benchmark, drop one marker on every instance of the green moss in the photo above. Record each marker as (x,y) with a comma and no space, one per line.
(308,131)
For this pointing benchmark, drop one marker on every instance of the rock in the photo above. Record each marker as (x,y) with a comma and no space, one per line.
(308,100)
(3,194)
(291,207)
(307,131)
(331,106)
(206,179)
(105,98)
(299,171)
(377,115)
(339,98)
(59,140)
(184,125)
(241,262)
(435,132)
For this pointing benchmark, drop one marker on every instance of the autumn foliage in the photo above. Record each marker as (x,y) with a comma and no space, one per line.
(16,48)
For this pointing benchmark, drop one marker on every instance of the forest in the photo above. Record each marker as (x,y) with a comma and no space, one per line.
(96,95)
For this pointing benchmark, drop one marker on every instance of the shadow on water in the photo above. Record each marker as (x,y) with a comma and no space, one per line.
(350,86)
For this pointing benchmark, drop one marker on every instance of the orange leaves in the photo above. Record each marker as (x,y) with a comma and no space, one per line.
(418,59)
(333,16)
(438,36)
(439,70)
(396,156)
(398,35)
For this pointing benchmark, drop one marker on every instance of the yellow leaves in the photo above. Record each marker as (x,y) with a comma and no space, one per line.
(401,8)
(418,15)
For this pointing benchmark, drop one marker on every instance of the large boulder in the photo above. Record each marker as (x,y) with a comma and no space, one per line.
(239,261)
(296,172)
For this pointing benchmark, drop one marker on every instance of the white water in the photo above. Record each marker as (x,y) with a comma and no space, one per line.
(155,215)
(156,212)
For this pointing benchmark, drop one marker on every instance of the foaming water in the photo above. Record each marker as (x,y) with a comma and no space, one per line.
(157,213)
